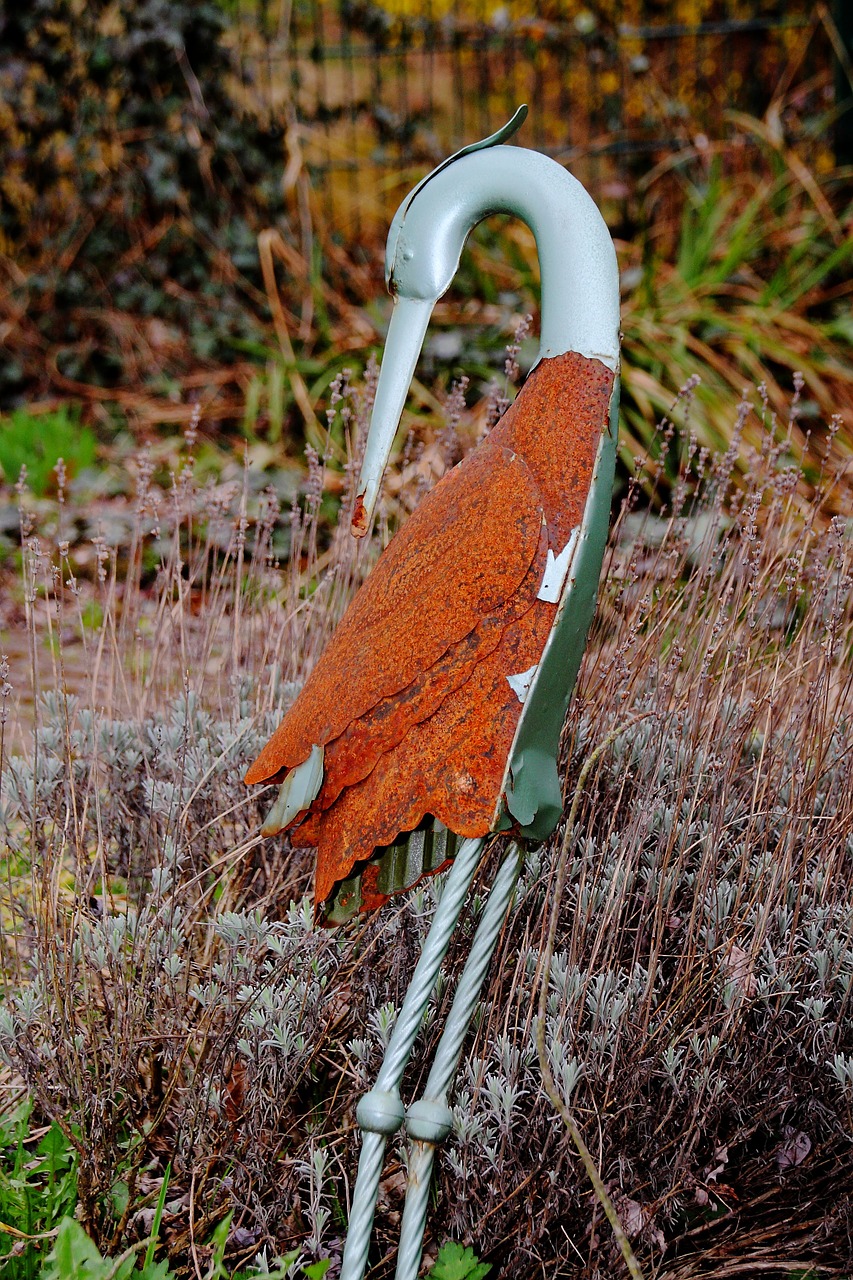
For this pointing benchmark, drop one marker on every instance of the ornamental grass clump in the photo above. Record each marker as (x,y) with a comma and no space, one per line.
(169,1002)
(733,271)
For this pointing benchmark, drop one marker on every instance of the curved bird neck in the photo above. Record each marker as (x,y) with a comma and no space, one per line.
(579,273)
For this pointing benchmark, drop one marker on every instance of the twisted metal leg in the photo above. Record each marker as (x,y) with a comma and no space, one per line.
(380,1112)
(428,1120)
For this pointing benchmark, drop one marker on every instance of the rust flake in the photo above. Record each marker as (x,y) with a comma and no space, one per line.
(359,523)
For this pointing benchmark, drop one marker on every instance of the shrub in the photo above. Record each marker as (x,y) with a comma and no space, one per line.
(133,191)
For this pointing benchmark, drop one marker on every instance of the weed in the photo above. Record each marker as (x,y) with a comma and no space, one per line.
(751,296)
(453,1262)
(75,1257)
(38,1187)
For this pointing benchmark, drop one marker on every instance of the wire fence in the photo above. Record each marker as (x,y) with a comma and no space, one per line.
(374,96)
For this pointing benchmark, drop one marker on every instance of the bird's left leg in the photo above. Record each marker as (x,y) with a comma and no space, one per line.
(380,1112)
(428,1120)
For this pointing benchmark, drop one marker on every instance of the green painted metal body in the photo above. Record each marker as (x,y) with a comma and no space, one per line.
(577,261)
(533,796)
(405,862)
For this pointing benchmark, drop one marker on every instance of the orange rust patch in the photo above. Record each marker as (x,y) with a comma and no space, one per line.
(352,756)
(451,765)
(555,424)
(460,556)
(411,698)
(358,523)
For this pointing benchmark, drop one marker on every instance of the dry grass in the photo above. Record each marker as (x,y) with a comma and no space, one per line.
(167,998)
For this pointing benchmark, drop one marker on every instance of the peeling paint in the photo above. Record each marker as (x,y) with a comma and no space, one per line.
(297,793)
(521,682)
(556,569)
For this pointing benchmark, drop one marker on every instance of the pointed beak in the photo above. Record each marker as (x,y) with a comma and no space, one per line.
(406,333)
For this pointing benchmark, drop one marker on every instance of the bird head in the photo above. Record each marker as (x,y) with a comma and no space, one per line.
(421,259)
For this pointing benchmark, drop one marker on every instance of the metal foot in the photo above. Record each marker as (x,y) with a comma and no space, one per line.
(380,1112)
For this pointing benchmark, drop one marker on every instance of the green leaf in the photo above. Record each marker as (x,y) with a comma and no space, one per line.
(37,442)
(119,1194)
(55,1145)
(156,1271)
(317,1270)
(74,1256)
(219,1240)
(457,1263)
(158,1216)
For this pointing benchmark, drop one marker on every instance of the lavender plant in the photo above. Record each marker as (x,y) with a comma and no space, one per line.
(168,999)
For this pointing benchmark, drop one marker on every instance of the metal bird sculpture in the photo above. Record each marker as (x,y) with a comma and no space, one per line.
(435,712)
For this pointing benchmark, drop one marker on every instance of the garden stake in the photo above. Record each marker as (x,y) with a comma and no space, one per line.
(434,714)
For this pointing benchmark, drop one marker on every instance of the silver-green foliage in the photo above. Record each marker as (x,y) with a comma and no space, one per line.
(172,999)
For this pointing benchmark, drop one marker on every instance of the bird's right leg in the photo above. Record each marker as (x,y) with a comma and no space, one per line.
(380,1112)
(428,1120)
